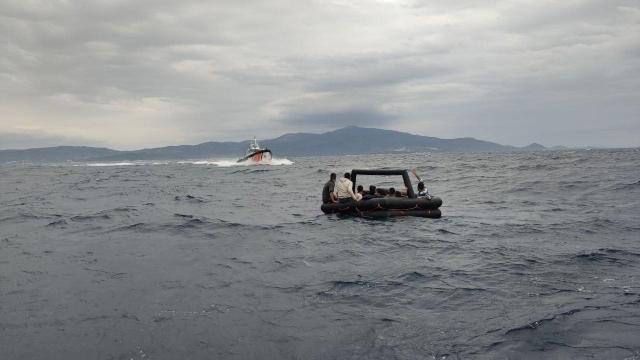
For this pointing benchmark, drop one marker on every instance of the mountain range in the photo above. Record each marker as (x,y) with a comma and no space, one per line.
(349,140)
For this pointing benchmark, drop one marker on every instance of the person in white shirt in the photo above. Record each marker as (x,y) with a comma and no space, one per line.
(344,190)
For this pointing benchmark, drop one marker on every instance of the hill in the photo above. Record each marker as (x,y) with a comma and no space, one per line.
(349,140)
(358,140)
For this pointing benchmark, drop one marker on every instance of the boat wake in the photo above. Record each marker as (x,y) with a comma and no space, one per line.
(219,163)
(134,163)
(230,163)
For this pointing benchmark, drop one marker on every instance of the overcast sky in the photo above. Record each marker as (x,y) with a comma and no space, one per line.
(131,74)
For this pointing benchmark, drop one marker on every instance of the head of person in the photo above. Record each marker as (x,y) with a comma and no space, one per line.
(332,177)
(360,189)
(420,186)
(372,189)
(347,175)
(392,191)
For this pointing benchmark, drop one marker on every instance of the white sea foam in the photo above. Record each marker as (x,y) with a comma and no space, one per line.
(125,163)
(230,163)
(108,164)
(220,163)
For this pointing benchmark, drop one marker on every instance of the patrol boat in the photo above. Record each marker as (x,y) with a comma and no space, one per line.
(255,154)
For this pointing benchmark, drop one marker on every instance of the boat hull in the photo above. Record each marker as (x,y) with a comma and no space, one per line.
(257,156)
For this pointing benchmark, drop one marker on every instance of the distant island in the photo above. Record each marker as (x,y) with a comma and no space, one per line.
(351,140)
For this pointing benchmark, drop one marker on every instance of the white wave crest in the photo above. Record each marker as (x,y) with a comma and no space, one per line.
(220,163)
(230,163)
(108,164)
(126,163)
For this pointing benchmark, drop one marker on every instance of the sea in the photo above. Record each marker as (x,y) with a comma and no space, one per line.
(536,256)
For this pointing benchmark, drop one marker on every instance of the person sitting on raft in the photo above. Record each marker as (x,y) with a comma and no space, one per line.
(360,192)
(392,192)
(344,190)
(328,196)
(422,191)
(371,194)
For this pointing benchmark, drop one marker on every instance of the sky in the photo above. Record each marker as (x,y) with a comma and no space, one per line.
(135,74)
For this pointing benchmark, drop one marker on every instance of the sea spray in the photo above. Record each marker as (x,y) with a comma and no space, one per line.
(220,163)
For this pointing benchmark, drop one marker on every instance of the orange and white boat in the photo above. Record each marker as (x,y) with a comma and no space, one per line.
(255,154)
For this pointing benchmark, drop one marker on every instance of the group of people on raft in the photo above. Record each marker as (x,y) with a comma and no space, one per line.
(341,191)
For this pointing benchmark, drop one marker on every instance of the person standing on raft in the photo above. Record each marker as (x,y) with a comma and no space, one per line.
(344,190)
(328,196)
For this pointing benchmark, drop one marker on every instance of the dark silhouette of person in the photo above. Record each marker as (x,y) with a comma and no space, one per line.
(328,195)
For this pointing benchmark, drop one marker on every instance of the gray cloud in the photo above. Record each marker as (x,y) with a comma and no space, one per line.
(331,120)
(359,76)
(146,73)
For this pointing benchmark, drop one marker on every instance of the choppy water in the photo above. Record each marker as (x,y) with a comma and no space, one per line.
(536,256)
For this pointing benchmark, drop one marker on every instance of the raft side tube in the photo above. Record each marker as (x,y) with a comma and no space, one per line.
(383,205)
(333,208)
(399,203)
(431,213)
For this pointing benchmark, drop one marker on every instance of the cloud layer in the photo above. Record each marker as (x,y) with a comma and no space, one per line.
(142,73)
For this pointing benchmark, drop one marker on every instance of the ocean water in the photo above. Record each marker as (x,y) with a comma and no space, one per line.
(537,255)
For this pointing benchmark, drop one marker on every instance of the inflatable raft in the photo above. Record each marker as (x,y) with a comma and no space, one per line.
(383,207)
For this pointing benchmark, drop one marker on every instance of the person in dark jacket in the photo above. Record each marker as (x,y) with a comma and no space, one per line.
(328,196)
(371,194)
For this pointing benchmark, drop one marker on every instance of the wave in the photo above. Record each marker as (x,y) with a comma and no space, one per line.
(533,325)
(628,186)
(27,216)
(61,222)
(93,217)
(126,163)
(612,256)
(412,276)
(190,198)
